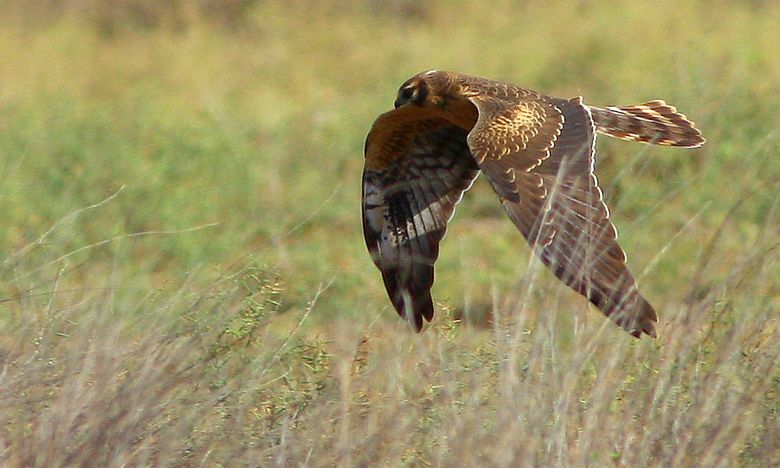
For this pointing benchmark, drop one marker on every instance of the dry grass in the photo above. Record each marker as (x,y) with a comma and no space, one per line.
(235,383)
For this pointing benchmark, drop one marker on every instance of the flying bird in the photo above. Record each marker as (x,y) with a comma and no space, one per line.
(538,153)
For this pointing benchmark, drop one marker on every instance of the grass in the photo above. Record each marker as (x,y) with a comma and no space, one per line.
(183,278)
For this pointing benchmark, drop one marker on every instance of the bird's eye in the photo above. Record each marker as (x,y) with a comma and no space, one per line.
(407,93)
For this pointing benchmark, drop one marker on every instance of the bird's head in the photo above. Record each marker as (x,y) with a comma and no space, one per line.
(426,89)
(440,93)
(414,91)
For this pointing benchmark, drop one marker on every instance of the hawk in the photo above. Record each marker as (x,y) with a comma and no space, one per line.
(538,153)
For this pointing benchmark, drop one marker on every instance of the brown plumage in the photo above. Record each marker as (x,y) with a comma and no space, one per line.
(538,154)
(652,122)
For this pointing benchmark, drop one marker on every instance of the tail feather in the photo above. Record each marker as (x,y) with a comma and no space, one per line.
(653,122)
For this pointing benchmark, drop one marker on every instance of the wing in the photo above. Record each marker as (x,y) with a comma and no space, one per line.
(417,168)
(538,153)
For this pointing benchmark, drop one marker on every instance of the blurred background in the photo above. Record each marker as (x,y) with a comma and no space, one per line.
(246,119)
(151,152)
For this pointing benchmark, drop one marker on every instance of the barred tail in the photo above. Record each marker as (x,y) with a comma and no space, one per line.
(653,122)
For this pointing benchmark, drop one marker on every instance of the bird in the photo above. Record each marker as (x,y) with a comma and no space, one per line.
(537,152)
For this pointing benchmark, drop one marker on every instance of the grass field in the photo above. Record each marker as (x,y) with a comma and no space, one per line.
(183,278)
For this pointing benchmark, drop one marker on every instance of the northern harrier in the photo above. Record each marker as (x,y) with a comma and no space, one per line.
(538,154)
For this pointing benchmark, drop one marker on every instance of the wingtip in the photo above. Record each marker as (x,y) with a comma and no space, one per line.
(638,320)
(646,329)
(649,330)
(648,317)
(415,308)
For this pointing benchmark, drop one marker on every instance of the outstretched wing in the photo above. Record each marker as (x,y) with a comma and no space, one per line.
(417,168)
(538,153)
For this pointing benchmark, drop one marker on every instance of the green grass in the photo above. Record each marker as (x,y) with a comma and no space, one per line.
(183,278)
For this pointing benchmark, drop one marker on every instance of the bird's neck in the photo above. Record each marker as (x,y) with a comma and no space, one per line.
(458,110)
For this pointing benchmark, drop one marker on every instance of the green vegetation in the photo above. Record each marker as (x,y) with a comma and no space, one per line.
(183,278)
